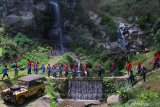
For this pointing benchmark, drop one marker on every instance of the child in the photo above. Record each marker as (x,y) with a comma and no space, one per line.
(49,70)
(5,70)
(15,69)
(138,68)
(131,77)
(43,68)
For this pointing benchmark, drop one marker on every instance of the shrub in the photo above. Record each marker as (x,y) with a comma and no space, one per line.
(103,56)
(111,26)
(80,51)
(84,38)
(158,36)
(157,25)
(142,22)
(148,95)
(50,90)
(24,42)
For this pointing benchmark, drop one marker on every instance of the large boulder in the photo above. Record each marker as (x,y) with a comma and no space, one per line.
(42,102)
(114,46)
(20,23)
(26,16)
(114,99)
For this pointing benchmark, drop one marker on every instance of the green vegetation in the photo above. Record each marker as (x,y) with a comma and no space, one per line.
(50,90)
(111,26)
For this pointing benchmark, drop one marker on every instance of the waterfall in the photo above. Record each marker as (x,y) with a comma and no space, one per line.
(85,89)
(56,9)
(121,39)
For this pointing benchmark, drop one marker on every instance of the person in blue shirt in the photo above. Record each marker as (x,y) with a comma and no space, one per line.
(43,68)
(131,77)
(5,70)
(54,70)
(60,69)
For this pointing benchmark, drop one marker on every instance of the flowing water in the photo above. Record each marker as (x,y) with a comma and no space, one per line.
(57,25)
(121,38)
(85,89)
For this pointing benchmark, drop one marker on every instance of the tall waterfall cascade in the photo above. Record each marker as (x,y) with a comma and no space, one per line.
(58,26)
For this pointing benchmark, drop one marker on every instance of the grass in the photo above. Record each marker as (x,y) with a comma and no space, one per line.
(153,82)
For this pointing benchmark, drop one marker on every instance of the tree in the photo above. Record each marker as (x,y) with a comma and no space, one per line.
(158,37)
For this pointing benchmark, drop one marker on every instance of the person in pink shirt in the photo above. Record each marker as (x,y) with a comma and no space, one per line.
(35,67)
(99,70)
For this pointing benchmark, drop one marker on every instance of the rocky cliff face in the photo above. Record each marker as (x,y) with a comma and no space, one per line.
(27,16)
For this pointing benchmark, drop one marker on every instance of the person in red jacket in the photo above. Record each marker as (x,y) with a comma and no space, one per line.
(29,66)
(128,67)
(86,72)
(156,61)
(35,67)
(66,70)
(113,68)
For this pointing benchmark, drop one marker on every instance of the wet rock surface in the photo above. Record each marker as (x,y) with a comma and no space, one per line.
(27,16)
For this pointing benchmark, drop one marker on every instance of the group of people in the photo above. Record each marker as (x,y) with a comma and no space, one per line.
(140,71)
(52,70)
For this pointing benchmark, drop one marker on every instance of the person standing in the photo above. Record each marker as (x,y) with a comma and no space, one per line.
(29,66)
(43,68)
(86,72)
(35,67)
(113,68)
(60,70)
(143,73)
(74,70)
(138,68)
(54,70)
(49,70)
(131,77)
(15,69)
(99,70)
(5,72)
(156,61)
(128,67)
(66,70)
